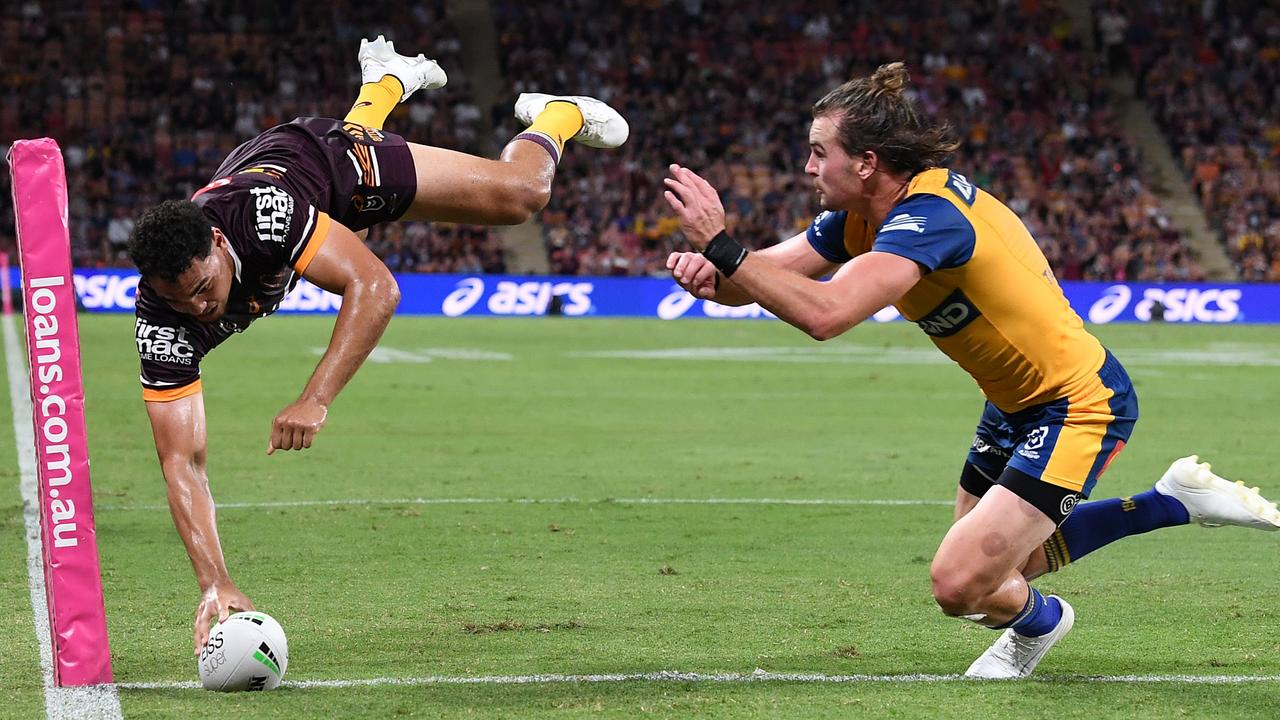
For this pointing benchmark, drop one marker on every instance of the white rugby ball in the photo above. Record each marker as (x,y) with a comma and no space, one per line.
(247,651)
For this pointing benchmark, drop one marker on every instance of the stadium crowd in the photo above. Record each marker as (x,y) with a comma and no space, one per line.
(1211,74)
(729,95)
(146,102)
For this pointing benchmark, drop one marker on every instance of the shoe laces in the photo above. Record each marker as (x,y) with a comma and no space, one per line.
(1013,645)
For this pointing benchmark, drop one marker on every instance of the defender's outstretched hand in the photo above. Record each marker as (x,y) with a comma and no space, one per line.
(218,602)
(697,204)
(296,425)
(694,273)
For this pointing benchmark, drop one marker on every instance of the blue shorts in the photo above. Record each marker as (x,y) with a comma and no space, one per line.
(1067,442)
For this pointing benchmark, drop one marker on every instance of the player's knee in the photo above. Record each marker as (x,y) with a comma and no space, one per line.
(522,199)
(956,591)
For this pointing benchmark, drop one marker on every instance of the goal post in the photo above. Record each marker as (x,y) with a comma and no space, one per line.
(73,582)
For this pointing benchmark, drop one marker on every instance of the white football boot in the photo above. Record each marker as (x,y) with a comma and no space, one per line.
(378,58)
(1212,501)
(602,126)
(1014,656)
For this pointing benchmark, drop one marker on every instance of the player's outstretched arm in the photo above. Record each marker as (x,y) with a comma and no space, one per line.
(695,273)
(345,266)
(181,443)
(824,310)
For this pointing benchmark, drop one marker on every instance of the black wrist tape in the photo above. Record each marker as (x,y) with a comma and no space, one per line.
(725,253)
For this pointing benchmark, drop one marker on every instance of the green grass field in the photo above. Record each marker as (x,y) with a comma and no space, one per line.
(591,417)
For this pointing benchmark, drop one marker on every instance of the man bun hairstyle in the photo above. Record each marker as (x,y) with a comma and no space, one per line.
(872,113)
(168,237)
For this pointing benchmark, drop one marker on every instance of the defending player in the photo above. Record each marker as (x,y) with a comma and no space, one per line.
(900,229)
(287,205)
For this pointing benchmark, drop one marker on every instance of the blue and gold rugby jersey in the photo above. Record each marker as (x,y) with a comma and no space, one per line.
(988,298)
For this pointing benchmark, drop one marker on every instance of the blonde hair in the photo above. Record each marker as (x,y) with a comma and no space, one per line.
(872,114)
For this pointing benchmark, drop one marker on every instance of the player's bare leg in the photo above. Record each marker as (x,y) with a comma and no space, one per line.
(457,187)
(977,575)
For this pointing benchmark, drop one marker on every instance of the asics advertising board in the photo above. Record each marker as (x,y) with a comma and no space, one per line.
(114,290)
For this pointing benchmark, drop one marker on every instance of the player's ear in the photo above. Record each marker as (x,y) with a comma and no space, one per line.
(218,238)
(870,163)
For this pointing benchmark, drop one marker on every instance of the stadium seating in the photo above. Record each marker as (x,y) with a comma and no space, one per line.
(729,95)
(1213,83)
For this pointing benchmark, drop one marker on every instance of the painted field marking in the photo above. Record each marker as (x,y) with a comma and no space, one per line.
(554,501)
(685,677)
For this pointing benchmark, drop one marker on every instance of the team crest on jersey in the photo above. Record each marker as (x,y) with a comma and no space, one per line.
(367,203)
(274,208)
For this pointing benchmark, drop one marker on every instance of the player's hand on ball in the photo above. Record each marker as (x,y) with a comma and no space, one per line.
(218,602)
(694,272)
(296,425)
(697,204)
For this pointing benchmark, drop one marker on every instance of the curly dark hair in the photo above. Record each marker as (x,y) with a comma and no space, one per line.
(168,237)
(873,114)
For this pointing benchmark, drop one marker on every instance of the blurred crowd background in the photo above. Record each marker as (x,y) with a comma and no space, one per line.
(147,97)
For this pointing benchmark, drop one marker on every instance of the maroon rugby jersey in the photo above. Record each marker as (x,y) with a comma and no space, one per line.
(272,235)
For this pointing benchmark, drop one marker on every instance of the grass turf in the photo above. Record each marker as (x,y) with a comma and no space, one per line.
(604,412)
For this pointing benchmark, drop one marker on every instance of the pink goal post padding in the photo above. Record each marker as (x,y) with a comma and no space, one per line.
(73,583)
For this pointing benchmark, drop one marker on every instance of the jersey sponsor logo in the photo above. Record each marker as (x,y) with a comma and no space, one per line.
(961,186)
(360,133)
(274,213)
(950,317)
(903,221)
(1068,504)
(163,343)
(982,447)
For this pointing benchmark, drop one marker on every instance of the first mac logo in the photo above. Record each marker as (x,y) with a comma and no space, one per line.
(163,343)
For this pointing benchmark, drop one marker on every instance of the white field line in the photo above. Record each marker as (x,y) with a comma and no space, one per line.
(101,701)
(674,676)
(1263,355)
(550,501)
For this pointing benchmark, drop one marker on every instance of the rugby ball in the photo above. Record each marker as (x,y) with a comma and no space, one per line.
(247,651)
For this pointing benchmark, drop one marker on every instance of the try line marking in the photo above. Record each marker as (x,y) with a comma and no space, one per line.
(757,676)
(100,701)
(552,501)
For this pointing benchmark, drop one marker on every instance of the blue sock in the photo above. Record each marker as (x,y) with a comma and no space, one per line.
(1102,522)
(1038,616)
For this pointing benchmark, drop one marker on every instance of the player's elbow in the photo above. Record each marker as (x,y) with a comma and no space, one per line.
(386,292)
(823,328)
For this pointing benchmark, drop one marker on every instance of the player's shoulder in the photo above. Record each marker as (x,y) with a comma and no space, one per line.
(945,183)
(256,210)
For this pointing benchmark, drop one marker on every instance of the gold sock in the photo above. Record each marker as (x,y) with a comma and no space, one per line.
(559,120)
(376,101)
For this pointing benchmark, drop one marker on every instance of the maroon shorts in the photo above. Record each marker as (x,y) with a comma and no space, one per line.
(360,176)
